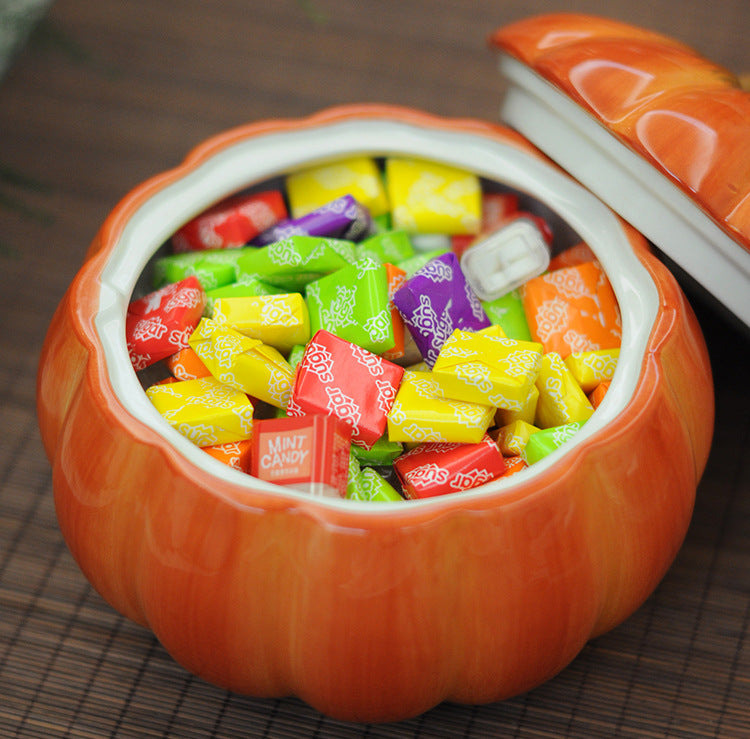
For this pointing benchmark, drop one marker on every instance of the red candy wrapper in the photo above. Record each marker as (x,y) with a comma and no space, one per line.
(436,468)
(159,324)
(231,223)
(310,453)
(336,377)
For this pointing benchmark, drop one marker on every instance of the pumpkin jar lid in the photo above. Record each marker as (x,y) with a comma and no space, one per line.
(658,132)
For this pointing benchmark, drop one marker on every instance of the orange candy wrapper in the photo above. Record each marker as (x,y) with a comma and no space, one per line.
(234,453)
(573,309)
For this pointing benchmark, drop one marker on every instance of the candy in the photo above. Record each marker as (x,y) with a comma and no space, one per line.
(545,441)
(281,321)
(596,396)
(505,259)
(527,412)
(514,465)
(186,365)
(382,452)
(336,377)
(249,287)
(366,484)
(308,189)
(481,368)
(235,454)
(160,323)
(497,207)
(353,303)
(591,368)
(343,218)
(244,363)
(580,253)
(433,469)
(561,400)
(428,197)
(396,278)
(310,453)
(206,411)
(294,262)
(507,311)
(572,310)
(216,267)
(387,246)
(435,301)
(512,439)
(421,412)
(231,223)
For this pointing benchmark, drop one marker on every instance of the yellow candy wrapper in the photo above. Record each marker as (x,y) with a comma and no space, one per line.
(427,197)
(281,321)
(591,368)
(512,439)
(527,413)
(205,410)
(359,177)
(243,363)
(491,370)
(561,400)
(421,412)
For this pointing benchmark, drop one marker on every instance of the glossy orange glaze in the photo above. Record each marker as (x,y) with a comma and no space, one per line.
(372,617)
(685,114)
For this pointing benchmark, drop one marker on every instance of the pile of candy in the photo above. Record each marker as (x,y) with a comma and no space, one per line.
(375,329)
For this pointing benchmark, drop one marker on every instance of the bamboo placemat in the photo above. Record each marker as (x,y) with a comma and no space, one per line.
(107,94)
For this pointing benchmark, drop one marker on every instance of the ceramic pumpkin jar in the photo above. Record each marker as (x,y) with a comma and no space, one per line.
(372,612)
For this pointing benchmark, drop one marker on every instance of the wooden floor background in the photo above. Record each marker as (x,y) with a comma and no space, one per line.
(107,93)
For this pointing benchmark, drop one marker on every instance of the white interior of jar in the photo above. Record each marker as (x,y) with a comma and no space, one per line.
(256,159)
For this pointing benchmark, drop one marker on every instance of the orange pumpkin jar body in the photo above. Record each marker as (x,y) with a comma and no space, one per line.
(371,613)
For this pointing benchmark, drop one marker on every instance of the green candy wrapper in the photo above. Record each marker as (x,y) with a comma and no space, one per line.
(294,262)
(295,355)
(353,304)
(544,442)
(382,452)
(366,484)
(219,267)
(508,313)
(387,246)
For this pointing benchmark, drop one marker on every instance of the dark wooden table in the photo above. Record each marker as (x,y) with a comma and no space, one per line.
(106,94)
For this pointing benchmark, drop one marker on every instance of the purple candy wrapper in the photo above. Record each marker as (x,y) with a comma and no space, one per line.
(436,301)
(342,218)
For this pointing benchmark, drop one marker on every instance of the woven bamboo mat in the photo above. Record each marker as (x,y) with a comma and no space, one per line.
(107,94)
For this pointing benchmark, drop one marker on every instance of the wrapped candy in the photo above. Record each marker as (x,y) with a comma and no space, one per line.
(497,207)
(295,261)
(596,396)
(396,278)
(206,411)
(381,453)
(428,197)
(250,287)
(435,301)
(512,439)
(215,268)
(281,321)
(339,378)
(386,246)
(591,368)
(412,265)
(507,312)
(244,363)
(561,400)
(367,484)
(572,310)
(342,218)
(160,323)
(231,223)
(186,365)
(481,368)
(421,412)
(235,454)
(432,469)
(359,177)
(527,412)
(353,303)
(579,253)
(513,465)
(310,453)
(545,441)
